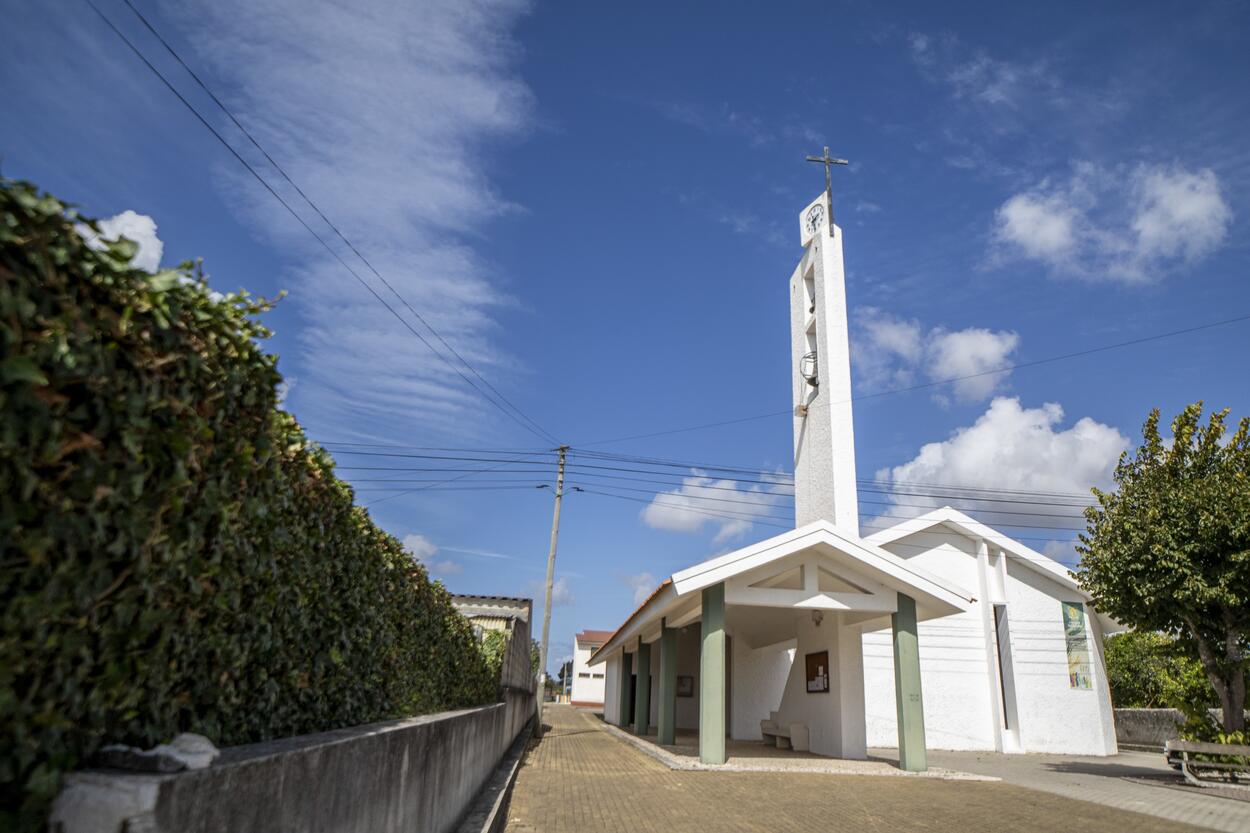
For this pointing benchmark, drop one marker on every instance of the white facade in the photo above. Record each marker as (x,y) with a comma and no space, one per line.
(1009,648)
(996,677)
(588,683)
(824,432)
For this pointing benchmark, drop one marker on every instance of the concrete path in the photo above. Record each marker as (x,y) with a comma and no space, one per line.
(581,778)
(1138,781)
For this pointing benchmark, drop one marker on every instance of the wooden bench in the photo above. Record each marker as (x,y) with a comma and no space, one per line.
(1182,754)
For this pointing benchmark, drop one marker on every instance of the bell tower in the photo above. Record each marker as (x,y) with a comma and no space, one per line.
(824,432)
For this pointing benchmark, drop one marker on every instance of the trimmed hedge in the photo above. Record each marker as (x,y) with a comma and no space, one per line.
(174,554)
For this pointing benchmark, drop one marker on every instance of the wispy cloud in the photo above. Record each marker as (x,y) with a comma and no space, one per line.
(380,114)
(976,76)
(561,592)
(425,551)
(642,584)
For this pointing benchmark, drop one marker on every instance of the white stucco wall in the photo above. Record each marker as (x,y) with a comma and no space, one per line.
(1054,717)
(612,688)
(588,683)
(759,680)
(834,719)
(958,666)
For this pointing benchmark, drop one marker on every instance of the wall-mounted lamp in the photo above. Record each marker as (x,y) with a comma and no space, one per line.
(818,616)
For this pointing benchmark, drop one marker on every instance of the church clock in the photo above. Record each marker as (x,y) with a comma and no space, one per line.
(815,216)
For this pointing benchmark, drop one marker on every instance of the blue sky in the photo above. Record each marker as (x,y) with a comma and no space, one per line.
(596,205)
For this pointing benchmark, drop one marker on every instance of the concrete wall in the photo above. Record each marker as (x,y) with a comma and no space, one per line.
(1152,728)
(421,773)
(1147,727)
(759,680)
(835,719)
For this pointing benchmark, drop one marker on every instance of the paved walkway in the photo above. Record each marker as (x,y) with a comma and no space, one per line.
(1138,781)
(580,778)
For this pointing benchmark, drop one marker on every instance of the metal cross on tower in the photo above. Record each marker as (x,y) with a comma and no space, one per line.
(828,160)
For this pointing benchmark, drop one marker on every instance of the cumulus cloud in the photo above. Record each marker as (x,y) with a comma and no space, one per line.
(642,584)
(139,228)
(1133,226)
(424,550)
(1012,448)
(970,353)
(381,115)
(703,501)
(891,352)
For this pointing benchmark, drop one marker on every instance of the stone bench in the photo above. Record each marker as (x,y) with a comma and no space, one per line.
(783,733)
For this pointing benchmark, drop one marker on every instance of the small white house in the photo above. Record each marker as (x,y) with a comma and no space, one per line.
(587,682)
(936,632)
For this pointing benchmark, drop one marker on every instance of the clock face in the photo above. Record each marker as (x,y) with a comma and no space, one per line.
(815,216)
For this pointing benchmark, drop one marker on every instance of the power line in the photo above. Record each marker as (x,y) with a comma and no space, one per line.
(938,382)
(536,429)
(467,474)
(788,477)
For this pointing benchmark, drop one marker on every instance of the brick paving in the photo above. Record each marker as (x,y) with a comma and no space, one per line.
(580,778)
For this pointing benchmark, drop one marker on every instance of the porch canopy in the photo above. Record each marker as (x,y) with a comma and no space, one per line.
(818,585)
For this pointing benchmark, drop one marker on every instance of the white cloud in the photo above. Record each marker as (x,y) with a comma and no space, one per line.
(1179,213)
(971,352)
(642,585)
(382,115)
(977,77)
(423,551)
(561,593)
(889,352)
(1130,226)
(139,228)
(703,501)
(1011,447)
(1043,227)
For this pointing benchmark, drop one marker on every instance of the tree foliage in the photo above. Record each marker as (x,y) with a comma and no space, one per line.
(1150,670)
(1169,549)
(174,554)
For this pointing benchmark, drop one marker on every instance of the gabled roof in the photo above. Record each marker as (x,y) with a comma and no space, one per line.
(593,636)
(954,519)
(929,590)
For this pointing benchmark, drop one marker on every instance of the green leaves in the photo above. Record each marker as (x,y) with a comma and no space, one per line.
(21,369)
(174,554)
(1169,549)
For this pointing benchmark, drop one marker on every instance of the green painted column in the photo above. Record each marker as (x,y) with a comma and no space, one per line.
(667,717)
(907,696)
(623,717)
(642,690)
(712,677)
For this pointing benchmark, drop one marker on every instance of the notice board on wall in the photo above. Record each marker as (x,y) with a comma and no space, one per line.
(818,672)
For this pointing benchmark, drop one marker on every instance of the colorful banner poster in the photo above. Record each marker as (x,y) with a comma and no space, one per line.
(1079,674)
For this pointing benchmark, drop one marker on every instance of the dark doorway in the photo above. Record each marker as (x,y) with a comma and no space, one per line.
(633,694)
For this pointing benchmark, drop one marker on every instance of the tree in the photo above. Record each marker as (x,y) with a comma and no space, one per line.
(1169,549)
(1149,670)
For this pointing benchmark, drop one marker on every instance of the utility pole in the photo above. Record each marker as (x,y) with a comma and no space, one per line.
(551,572)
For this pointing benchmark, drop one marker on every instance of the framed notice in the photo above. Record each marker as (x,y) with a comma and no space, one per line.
(1077,645)
(685,685)
(818,672)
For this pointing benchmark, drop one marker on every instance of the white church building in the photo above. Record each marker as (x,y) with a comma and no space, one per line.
(939,632)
